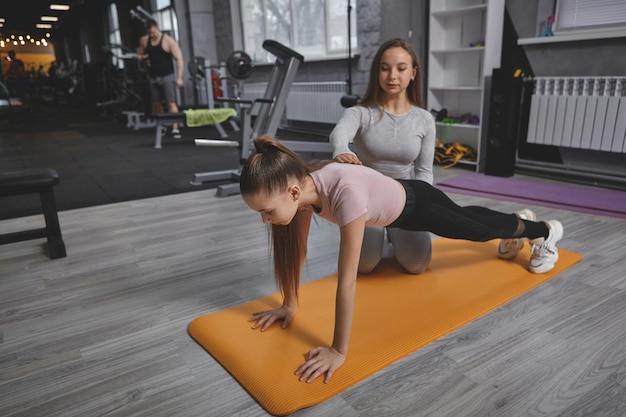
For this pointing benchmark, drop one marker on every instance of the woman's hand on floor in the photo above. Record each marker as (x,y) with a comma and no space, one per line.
(265,319)
(348,158)
(320,360)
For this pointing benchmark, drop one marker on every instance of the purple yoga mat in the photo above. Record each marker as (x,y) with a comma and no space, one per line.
(558,195)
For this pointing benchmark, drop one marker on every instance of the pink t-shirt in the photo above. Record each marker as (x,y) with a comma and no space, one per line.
(349,191)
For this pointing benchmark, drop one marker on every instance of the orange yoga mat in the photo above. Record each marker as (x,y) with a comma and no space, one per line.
(395,314)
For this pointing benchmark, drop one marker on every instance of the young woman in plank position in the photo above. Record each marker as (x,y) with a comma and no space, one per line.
(286,192)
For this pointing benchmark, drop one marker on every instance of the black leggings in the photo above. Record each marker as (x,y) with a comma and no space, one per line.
(429,209)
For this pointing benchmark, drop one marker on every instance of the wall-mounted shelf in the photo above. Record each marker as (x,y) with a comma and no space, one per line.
(458,125)
(457,88)
(467,162)
(458,50)
(571,37)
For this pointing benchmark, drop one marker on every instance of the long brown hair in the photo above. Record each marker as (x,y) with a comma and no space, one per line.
(268,171)
(374,93)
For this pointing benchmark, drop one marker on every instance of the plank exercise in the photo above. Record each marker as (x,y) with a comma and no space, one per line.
(286,192)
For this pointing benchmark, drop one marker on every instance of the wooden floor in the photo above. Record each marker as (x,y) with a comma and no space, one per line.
(103,331)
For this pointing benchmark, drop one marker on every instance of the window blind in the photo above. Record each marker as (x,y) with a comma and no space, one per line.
(587,14)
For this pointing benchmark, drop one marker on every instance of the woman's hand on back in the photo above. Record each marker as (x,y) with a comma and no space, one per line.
(348,158)
(265,319)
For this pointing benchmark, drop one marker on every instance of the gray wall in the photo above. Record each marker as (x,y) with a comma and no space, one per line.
(590,57)
(407,19)
(223,29)
(196,35)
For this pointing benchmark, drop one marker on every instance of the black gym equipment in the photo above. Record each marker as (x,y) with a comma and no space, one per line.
(197,71)
(123,86)
(41,181)
(8,104)
(239,65)
(270,112)
(350,99)
(503,105)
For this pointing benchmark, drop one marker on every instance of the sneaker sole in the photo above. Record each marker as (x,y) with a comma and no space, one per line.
(509,255)
(543,268)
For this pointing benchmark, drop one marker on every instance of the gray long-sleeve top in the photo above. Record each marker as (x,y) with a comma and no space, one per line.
(401,146)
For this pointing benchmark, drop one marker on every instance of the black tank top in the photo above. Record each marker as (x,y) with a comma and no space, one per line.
(160,61)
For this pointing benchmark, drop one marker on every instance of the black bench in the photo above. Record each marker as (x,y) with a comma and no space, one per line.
(39,181)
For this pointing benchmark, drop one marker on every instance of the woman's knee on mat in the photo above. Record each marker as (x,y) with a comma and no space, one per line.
(371,249)
(415,264)
(371,254)
(367,265)
(412,250)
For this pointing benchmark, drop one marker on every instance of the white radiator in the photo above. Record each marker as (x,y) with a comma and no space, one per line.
(310,101)
(579,112)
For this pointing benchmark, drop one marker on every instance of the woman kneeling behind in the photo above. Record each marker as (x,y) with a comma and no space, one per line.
(286,192)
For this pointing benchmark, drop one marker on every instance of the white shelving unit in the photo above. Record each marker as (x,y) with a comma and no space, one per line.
(456,69)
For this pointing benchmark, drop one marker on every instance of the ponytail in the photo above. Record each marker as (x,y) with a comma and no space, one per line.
(270,168)
(268,171)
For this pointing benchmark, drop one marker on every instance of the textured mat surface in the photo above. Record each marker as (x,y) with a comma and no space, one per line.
(561,195)
(394,315)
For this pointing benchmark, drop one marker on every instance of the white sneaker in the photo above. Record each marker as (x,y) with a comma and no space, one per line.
(545,253)
(509,248)
(176,133)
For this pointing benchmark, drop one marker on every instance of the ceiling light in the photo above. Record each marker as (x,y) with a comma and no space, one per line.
(1,25)
(2,20)
(32,40)
(27,36)
(1,44)
(22,42)
(43,26)
(15,43)
(47,34)
(12,36)
(20,37)
(38,43)
(59,7)
(49,19)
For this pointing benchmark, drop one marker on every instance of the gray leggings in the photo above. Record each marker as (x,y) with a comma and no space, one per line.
(412,249)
